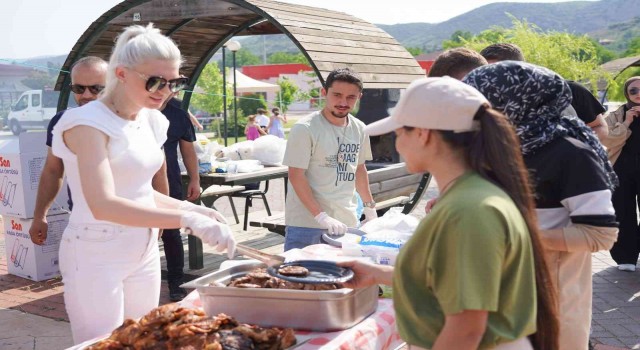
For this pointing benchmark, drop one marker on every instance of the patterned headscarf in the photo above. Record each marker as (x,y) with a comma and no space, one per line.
(533,98)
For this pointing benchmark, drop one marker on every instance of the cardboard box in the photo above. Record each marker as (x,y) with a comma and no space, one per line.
(21,161)
(28,260)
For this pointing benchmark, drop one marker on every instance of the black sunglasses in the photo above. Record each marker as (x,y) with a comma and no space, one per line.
(634,91)
(158,83)
(79,89)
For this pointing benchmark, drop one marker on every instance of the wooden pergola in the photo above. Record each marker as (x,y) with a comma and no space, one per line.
(328,39)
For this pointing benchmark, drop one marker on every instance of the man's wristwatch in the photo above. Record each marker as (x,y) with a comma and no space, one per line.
(371,204)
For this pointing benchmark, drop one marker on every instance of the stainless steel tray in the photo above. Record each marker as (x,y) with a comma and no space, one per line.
(328,310)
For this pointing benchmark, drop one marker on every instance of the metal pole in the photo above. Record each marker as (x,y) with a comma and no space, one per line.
(235,98)
(224,94)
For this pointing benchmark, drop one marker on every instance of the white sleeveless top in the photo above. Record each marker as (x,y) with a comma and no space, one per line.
(134,148)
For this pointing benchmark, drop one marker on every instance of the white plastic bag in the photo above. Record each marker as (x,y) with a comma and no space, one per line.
(385,236)
(269,149)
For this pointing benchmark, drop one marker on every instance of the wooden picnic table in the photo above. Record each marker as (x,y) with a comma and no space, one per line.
(196,254)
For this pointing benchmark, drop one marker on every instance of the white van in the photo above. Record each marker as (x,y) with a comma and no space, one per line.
(33,110)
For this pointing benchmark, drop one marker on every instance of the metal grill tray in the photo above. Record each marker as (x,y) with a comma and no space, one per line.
(327,310)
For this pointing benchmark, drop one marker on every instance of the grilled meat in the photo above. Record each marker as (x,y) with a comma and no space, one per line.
(297,271)
(259,278)
(172,327)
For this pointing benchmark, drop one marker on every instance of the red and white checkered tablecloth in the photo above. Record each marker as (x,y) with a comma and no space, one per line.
(376,332)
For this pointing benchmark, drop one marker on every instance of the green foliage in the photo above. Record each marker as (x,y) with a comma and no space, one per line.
(244,57)
(288,94)
(458,38)
(414,51)
(633,49)
(615,89)
(572,56)
(250,103)
(604,55)
(211,82)
(286,57)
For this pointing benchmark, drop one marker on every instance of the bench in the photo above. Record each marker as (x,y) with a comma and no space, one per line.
(391,186)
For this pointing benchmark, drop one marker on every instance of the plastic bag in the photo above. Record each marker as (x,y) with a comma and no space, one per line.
(385,237)
(269,149)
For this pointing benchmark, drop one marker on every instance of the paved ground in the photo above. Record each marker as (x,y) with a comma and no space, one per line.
(32,315)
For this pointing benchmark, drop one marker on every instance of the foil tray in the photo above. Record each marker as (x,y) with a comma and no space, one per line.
(320,311)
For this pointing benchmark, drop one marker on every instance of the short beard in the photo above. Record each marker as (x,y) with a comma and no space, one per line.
(338,115)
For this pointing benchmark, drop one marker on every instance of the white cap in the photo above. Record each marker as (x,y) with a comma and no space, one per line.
(441,103)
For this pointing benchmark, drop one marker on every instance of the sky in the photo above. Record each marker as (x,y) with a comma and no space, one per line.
(33,28)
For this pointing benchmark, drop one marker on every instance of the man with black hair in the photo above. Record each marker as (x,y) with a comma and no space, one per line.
(502,52)
(325,153)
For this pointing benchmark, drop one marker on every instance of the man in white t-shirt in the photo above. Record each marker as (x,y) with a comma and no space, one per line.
(326,151)
(262,119)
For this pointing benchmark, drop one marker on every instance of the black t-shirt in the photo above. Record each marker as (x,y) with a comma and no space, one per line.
(180,128)
(566,171)
(52,123)
(586,105)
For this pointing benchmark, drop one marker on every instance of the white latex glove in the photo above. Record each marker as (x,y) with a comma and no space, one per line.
(369,214)
(334,226)
(201,209)
(210,232)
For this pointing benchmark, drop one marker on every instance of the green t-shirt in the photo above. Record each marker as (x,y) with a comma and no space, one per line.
(330,155)
(472,252)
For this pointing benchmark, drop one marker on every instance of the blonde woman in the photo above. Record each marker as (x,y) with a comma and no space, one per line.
(111,148)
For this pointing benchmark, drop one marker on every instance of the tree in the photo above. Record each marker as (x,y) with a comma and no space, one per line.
(287,95)
(286,57)
(457,39)
(249,104)
(414,51)
(210,82)
(633,49)
(574,57)
(244,57)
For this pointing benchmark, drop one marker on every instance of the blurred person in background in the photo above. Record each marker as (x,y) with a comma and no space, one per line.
(623,143)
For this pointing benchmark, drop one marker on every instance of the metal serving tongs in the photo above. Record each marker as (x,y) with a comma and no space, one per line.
(269,259)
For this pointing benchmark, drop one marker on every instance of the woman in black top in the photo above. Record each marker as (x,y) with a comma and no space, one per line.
(623,143)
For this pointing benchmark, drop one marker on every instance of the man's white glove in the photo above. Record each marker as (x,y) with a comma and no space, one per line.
(201,209)
(369,214)
(210,232)
(332,225)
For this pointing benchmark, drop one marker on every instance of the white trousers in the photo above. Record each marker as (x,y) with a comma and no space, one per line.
(110,272)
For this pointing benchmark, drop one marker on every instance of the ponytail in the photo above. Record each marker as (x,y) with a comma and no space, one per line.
(494,153)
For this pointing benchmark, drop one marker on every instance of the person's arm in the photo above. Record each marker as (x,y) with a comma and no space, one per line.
(367,274)
(462,331)
(48,188)
(300,184)
(190,160)
(261,131)
(599,126)
(195,121)
(586,196)
(362,183)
